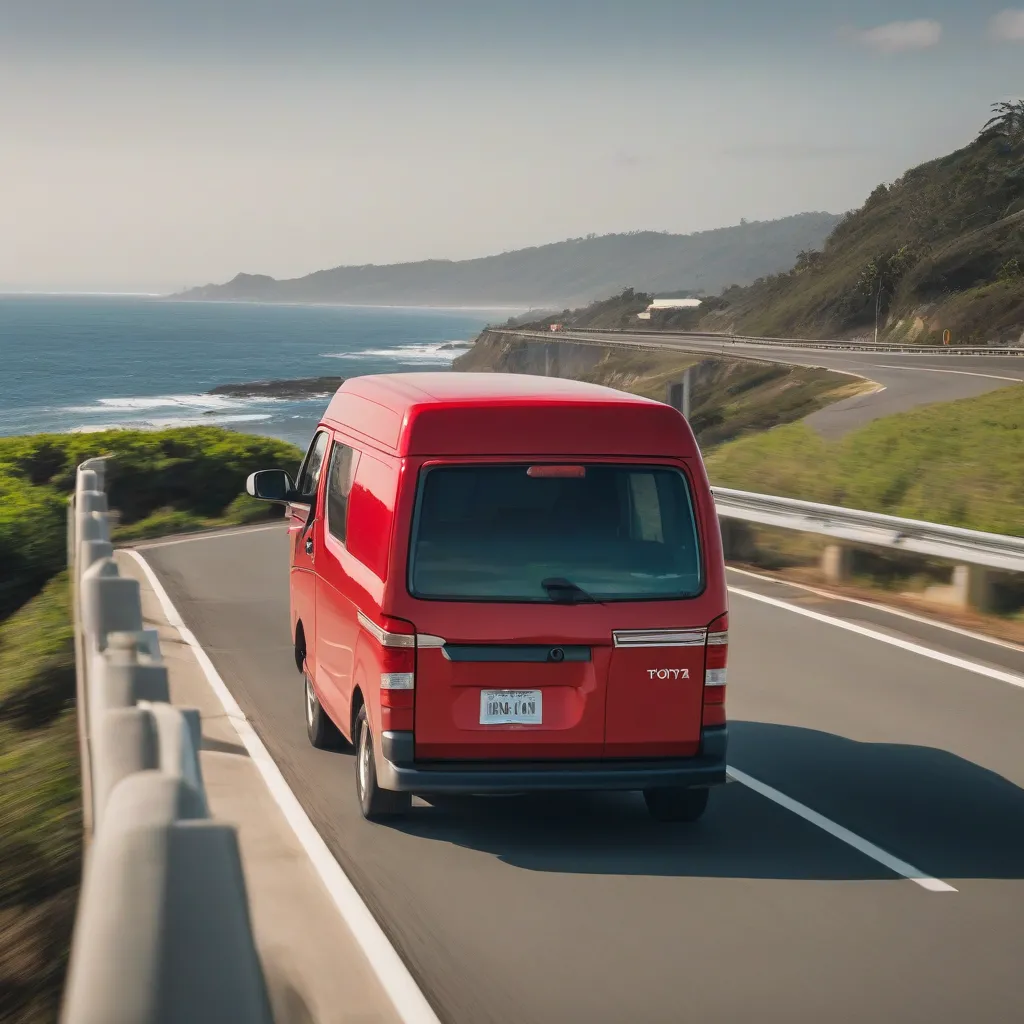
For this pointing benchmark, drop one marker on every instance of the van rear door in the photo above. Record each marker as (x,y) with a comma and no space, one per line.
(656,675)
(521,576)
(655,693)
(538,693)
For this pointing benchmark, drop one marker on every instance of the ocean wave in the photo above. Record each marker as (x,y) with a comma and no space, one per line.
(145,403)
(432,352)
(163,422)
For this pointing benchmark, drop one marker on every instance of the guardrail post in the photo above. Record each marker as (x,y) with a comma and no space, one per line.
(679,394)
(110,602)
(837,563)
(90,501)
(552,366)
(163,934)
(972,587)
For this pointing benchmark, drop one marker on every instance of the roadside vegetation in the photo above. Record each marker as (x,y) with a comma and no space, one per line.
(40,804)
(159,482)
(959,463)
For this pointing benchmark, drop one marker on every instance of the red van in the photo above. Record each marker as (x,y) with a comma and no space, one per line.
(503,583)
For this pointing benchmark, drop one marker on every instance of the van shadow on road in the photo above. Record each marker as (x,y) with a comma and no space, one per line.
(945,815)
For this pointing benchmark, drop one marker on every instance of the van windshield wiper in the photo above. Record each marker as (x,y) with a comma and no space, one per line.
(565,591)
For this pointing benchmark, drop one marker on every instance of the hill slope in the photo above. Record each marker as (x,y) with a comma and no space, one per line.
(941,247)
(574,271)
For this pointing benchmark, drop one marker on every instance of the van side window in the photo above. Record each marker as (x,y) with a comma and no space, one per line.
(339,486)
(309,475)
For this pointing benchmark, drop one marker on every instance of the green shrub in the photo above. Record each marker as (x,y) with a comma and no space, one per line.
(161,482)
(248,510)
(160,523)
(32,540)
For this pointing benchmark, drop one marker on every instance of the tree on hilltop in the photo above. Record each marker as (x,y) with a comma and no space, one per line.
(1006,122)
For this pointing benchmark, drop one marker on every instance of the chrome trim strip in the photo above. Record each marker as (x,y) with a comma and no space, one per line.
(426,640)
(659,637)
(718,639)
(383,637)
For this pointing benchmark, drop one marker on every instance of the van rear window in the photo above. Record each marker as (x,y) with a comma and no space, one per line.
(502,533)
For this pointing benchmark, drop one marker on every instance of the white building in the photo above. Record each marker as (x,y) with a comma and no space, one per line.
(659,304)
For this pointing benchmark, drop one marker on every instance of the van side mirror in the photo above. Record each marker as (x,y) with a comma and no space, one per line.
(271,485)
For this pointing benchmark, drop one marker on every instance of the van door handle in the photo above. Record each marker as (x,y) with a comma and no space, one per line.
(309,545)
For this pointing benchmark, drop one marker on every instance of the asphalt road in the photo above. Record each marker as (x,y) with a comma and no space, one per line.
(908,380)
(535,911)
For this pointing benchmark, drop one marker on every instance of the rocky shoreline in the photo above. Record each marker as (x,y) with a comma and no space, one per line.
(304,387)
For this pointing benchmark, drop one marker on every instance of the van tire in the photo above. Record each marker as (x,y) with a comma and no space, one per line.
(375,803)
(322,732)
(676,803)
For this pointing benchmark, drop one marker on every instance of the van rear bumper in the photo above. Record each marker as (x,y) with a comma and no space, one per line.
(397,770)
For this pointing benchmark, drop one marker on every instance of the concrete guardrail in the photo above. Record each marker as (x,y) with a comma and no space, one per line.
(977,557)
(590,336)
(163,932)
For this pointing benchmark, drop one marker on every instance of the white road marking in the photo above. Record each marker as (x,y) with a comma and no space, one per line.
(950,659)
(962,373)
(876,853)
(888,609)
(394,976)
(211,535)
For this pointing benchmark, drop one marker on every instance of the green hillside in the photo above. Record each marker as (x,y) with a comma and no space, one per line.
(940,248)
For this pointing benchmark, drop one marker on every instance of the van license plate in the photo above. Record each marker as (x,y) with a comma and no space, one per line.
(510,707)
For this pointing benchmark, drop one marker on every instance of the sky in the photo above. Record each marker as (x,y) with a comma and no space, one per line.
(151,146)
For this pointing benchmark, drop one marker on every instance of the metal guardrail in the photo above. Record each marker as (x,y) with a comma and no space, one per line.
(787,343)
(872,529)
(163,933)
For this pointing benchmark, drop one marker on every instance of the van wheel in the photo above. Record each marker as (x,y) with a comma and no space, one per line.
(676,803)
(322,732)
(375,803)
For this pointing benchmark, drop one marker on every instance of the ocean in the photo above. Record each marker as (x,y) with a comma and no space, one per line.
(88,363)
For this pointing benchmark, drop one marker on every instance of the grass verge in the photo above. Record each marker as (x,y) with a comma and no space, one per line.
(959,463)
(40,805)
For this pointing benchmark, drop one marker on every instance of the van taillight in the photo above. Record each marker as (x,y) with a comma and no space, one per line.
(716,654)
(397,641)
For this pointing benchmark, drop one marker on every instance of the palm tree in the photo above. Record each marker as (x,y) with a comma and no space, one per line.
(1006,122)
(882,275)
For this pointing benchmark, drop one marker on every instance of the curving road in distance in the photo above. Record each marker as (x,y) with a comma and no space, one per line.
(907,380)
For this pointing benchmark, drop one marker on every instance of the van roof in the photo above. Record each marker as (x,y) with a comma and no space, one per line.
(451,413)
